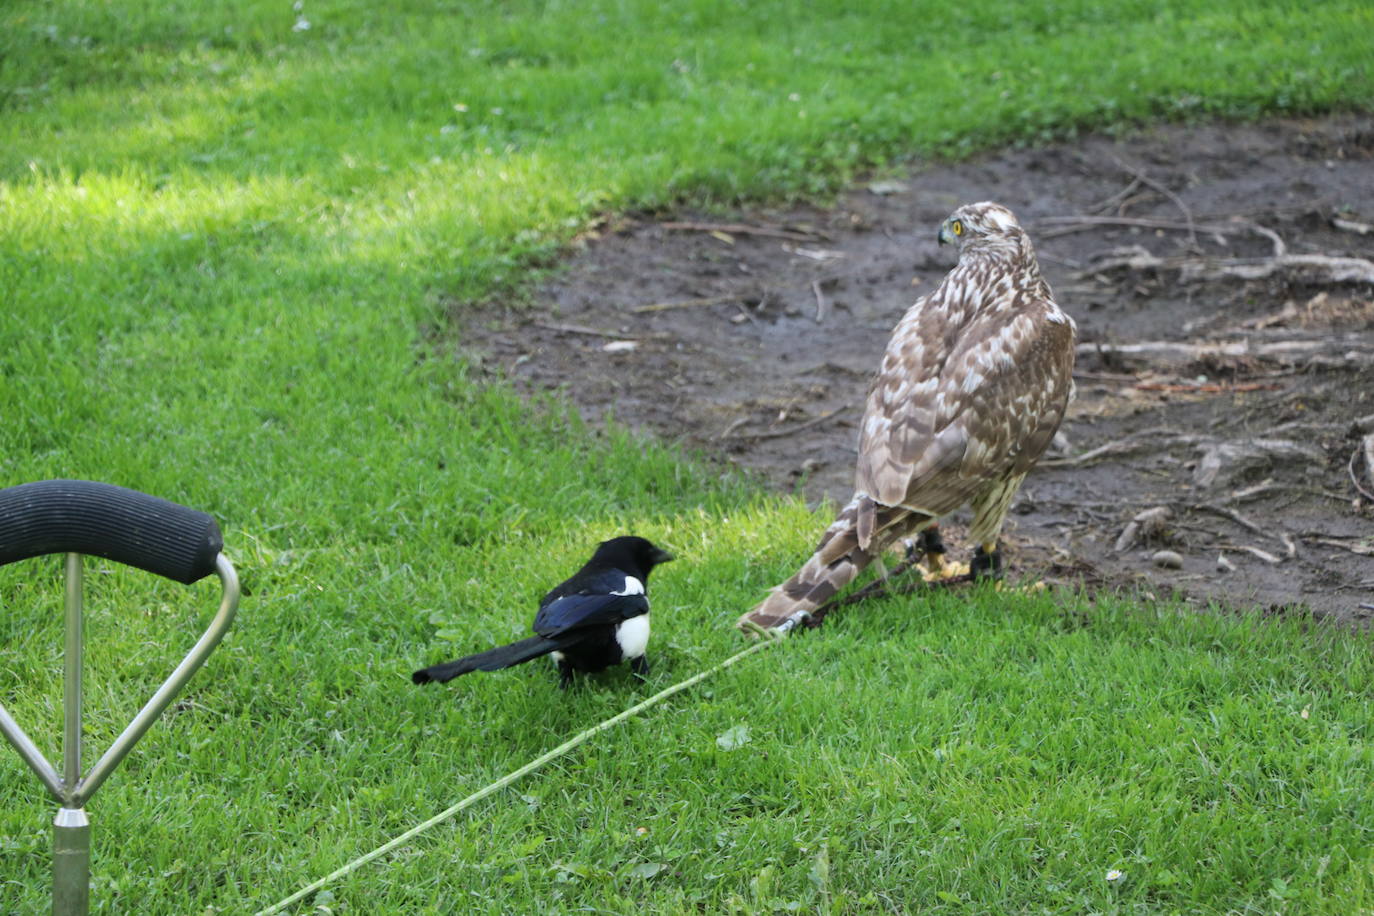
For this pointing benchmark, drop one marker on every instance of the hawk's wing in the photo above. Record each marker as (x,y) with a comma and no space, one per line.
(956,404)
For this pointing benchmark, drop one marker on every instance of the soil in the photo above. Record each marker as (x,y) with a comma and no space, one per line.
(752,337)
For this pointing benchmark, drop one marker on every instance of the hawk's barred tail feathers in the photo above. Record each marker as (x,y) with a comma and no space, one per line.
(861,531)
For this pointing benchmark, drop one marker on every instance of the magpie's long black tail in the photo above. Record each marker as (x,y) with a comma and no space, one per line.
(490,660)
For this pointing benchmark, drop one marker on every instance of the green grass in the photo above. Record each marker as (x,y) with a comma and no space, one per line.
(227,249)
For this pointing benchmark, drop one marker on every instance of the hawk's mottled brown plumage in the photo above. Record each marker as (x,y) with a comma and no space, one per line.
(970,392)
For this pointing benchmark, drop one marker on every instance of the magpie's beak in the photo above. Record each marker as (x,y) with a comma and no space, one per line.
(662,556)
(945,237)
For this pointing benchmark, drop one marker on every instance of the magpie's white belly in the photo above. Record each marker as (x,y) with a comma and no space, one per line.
(633,636)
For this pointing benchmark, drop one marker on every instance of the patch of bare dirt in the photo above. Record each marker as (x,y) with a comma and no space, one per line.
(1222,282)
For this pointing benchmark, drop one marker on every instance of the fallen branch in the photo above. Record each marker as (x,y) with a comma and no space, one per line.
(791,430)
(685,304)
(1151,353)
(1234,516)
(741,229)
(1259,489)
(1147,524)
(820,301)
(1349,225)
(1318,268)
(1141,177)
(1359,549)
(1207,387)
(1280,249)
(1369,463)
(1368,444)
(1142,439)
(1223,461)
(1105,376)
(734,425)
(1071,224)
(813,254)
(1264,555)
(577,329)
(1289,545)
(1118,198)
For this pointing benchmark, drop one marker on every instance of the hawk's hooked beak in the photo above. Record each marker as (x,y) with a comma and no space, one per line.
(945,237)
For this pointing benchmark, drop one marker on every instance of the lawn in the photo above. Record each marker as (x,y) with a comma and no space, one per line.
(230,238)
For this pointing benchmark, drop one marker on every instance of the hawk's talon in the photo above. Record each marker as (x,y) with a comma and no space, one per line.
(932,544)
(986,564)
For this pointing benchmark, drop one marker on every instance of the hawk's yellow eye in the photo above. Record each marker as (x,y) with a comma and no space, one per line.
(957,227)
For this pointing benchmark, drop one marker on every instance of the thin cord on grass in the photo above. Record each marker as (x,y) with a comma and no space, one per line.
(514,775)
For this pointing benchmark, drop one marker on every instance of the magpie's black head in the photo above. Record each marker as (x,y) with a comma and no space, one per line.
(633,555)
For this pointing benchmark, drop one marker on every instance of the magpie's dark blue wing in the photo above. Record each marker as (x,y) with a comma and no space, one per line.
(572,612)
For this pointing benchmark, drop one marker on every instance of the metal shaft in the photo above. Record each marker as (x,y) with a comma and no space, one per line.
(71,863)
(71,682)
(71,830)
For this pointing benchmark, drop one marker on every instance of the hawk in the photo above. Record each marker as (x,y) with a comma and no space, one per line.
(972,388)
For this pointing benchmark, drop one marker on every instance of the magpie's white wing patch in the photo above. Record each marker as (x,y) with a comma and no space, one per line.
(632,587)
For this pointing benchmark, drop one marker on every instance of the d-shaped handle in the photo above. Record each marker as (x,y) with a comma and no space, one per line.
(83,517)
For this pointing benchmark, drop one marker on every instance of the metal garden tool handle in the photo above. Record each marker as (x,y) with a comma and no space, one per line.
(81,517)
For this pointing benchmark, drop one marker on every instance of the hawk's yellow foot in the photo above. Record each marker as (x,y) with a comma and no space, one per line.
(936,572)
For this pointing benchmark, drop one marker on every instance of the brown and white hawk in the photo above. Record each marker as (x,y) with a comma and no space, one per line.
(971,390)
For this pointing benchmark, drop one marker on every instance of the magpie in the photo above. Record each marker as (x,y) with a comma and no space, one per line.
(597,618)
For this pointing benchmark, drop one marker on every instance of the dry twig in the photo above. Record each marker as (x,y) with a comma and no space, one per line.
(1359,549)
(1264,486)
(734,425)
(578,329)
(1141,439)
(820,301)
(1152,353)
(684,304)
(1354,476)
(741,229)
(1349,225)
(1118,198)
(1280,249)
(1067,225)
(1319,267)
(1177,201)
(1264,555)
(779,433)
(1207,387)
(1234,516)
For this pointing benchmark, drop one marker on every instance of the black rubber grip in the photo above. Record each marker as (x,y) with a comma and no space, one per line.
(100,519)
